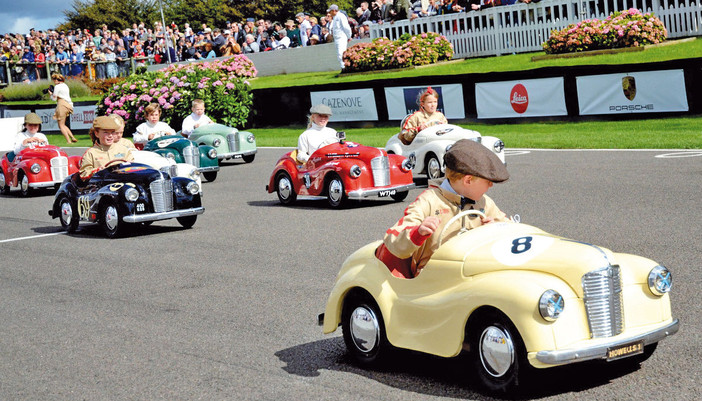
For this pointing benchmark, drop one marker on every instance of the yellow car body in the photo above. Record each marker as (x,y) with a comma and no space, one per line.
(506,268)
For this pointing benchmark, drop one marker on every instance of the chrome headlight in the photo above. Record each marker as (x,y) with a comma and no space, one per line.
(192,188)
(217,142)
(551,305)
(660,280)
(170,156)
(498,146)
(36,168)
(355,171)
(212,154)
(408,164)
(131,194)
(194,174)
(250,138)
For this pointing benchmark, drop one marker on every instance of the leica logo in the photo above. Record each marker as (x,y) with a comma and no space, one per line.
(519,98)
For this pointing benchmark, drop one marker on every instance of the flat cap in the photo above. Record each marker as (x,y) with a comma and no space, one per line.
(321,109)
(333,7)
(299,15)
(118,119)
(472,158)
(32,118)
(106,122)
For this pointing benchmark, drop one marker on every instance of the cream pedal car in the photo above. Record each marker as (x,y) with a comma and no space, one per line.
(514,296)
(429,146)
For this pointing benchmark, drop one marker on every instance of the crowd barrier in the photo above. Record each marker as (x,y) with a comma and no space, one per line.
(522,28)
(12,72)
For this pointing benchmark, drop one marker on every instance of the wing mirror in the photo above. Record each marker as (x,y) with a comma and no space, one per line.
(341,136)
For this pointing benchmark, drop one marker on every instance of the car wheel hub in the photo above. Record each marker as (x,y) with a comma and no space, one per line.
(24,185)
(496,351)
(111,217)
(66,212)
(365,330)
(2,180)
(284,188)
(433,168)
(335,190)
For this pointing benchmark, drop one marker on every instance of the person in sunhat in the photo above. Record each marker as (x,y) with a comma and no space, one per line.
(106,147)
(317,133)
(30,134)
(471,169)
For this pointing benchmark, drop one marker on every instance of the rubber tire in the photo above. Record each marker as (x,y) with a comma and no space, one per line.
(399,196)
(519,368)
(24,191)
(335,181)
(187,221)
(72,224)
(210,176)
(290,199)
(105,207)
(248,158)
(5,189)
(433,167)
(379,352)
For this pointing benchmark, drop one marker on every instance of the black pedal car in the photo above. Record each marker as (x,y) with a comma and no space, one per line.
(123,194)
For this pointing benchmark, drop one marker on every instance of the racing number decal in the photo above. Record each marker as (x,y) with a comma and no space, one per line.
(83,207)
(521,244)
(517,251)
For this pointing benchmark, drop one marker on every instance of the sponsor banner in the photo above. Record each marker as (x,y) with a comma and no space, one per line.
(348,105)
(527,98)
(404,100)
(635,92)
(81,119)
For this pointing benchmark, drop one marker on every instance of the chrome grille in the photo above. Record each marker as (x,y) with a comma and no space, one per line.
(192,155)
(603,301)
(381,171)
(59,168)
(162,195)
(233,142)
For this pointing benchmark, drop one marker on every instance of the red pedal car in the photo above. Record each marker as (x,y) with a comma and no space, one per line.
(341,171)
(40,166)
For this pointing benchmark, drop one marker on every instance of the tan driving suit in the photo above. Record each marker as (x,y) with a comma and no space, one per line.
(98,156)
(411,127)
(403,239)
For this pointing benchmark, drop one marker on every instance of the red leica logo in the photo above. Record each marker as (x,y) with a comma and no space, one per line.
(519,98)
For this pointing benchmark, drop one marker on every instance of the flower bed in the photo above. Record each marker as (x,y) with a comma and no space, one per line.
(221,84)
(628,28)
(407,51)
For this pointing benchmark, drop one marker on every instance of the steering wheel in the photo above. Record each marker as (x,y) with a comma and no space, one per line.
(115,161)
(459,216)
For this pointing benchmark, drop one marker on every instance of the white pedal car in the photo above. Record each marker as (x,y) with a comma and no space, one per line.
(158,162)
(430,145)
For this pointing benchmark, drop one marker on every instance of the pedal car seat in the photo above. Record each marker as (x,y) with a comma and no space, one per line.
(293,154)
(401,268)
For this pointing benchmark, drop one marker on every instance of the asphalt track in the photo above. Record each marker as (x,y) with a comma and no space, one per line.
(226,310)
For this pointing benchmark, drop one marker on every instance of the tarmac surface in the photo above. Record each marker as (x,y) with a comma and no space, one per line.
(227,309)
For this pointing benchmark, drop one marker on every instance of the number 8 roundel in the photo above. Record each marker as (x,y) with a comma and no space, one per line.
(516,251)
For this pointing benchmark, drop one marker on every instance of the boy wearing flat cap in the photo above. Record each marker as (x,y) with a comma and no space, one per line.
(106,147)
(471,169)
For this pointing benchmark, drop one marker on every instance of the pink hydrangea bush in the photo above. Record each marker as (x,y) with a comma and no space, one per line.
(629,28)
(408,50)
(222,84)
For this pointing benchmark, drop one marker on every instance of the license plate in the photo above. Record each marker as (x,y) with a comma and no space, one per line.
(623,351)
(237,156)
(389,192)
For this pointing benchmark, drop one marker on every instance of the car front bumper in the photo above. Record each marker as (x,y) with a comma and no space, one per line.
(44,184)
(383,191)
(140,218)
(599,351)
(235,155)
(207,169)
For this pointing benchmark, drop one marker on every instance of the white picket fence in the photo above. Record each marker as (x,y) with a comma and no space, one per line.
(524,28)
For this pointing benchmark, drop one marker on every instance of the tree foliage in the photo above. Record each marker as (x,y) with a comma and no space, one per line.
(122,14)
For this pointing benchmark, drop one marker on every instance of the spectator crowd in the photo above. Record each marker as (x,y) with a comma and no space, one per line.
(112,52)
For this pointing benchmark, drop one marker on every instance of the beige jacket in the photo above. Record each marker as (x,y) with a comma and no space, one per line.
(411,127)
(403,239)
(98,156)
